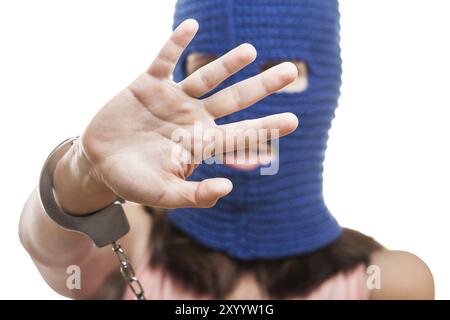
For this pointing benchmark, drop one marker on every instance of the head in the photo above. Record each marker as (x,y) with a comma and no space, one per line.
(282,214)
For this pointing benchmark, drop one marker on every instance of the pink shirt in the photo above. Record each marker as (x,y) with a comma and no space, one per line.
(158,285)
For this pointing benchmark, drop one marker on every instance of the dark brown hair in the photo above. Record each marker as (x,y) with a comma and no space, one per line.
(206,271)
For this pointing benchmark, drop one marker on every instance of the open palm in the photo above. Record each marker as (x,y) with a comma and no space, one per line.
(130,141)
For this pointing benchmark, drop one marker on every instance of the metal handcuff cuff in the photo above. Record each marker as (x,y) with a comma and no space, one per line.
(104,227)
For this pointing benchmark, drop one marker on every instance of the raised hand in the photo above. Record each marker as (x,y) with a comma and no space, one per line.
(129,143)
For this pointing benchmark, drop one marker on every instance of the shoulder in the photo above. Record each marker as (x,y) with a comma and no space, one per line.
(403,275)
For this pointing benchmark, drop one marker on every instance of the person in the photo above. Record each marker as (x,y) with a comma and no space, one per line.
(221,230)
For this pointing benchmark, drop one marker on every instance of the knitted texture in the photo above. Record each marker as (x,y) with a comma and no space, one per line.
(270,216)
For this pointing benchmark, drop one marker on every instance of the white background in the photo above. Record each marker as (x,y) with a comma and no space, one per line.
(388,164)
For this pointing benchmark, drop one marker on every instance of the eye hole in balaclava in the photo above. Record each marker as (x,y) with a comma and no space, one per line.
(195,61)
(300,84)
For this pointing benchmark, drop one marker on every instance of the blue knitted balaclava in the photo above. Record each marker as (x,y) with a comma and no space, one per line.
(270,216)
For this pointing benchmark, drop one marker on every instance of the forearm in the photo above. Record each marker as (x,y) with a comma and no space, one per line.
(53,248)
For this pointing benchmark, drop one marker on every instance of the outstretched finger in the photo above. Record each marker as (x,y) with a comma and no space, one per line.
(250,91)
(167,58)
(211,75)
(252,133)
(198,194)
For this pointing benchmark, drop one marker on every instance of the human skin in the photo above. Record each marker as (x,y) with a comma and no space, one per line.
(251,159)
(124,151)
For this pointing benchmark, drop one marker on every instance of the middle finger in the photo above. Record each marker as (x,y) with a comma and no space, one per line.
(249,91)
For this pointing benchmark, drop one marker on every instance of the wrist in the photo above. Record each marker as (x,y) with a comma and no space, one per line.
(77,186)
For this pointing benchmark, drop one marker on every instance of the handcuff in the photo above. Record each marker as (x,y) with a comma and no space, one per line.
(103,227)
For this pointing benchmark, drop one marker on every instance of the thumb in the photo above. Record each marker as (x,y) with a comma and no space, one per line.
(203,194)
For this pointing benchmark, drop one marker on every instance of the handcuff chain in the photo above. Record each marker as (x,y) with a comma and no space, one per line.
(127,272)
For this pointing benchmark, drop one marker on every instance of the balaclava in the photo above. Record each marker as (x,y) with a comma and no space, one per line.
(270,216)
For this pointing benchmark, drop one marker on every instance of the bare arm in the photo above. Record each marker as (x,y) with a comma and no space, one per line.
(128,150)
(54,249)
